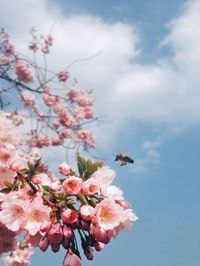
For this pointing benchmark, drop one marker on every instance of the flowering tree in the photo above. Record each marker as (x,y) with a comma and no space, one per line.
(51,211)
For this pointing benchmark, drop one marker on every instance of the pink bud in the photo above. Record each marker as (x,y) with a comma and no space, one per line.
(75,225)
(64,169)
(69,216)
(55,247)
(44,243)
(36,180)
(99,246)
(55,233)
(86,212)
(56,124)
(67,231)
(72,259)
(65,242)
(84,225)
(63,76)
(89,253)
(123,203)
(56,141)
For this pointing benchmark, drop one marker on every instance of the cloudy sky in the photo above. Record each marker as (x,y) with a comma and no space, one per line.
(144,71)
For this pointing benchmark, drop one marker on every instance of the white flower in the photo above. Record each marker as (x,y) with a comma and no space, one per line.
(114,192)
(104,176)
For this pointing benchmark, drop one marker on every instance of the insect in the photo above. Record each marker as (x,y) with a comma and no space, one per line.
(124,159)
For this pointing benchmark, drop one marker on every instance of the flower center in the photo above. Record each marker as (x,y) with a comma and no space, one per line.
(105,215)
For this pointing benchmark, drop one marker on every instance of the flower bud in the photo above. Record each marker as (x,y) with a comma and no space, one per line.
(90,240)
(72,259)
(89,253)
(64,169)
(67,231)
(65,242)
(55,247)
(69,216)
(84,225)
(99,246)
(123,203)
(44,244)
(36,180)
(55,233)
(86,212)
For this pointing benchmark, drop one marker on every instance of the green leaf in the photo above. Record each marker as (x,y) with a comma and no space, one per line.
(82,165)
(92,167)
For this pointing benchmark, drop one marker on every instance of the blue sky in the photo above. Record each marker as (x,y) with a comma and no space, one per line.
(146,81)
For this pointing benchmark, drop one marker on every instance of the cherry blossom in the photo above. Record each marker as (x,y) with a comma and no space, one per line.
(79,209)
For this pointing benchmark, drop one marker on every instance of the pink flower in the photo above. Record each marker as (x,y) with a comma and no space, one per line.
(37,213)
(108,214)
(69,216)
(72,185)
(86,137)
(56,124)
(82,98)
(5,59)
(90,187)
(86,212)
(23,71)
(56,141)
(64,169)
(72,259)
(21,255)
(27,98)
(128,218)
(13,213)
(82,113)
(114,192)
(63,76)
(6,175)
(49,99)
(101,235)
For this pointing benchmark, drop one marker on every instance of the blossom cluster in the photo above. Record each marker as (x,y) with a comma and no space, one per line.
(54,212)
(57,119)
(74,209)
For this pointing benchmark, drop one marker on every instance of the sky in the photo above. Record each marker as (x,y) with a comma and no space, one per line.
(144,73)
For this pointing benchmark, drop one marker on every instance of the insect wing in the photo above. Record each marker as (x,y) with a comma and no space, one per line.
(128,159)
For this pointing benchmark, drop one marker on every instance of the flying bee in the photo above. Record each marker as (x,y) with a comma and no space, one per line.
(124,159)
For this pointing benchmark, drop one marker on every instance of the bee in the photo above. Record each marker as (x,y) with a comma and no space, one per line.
(124,159)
